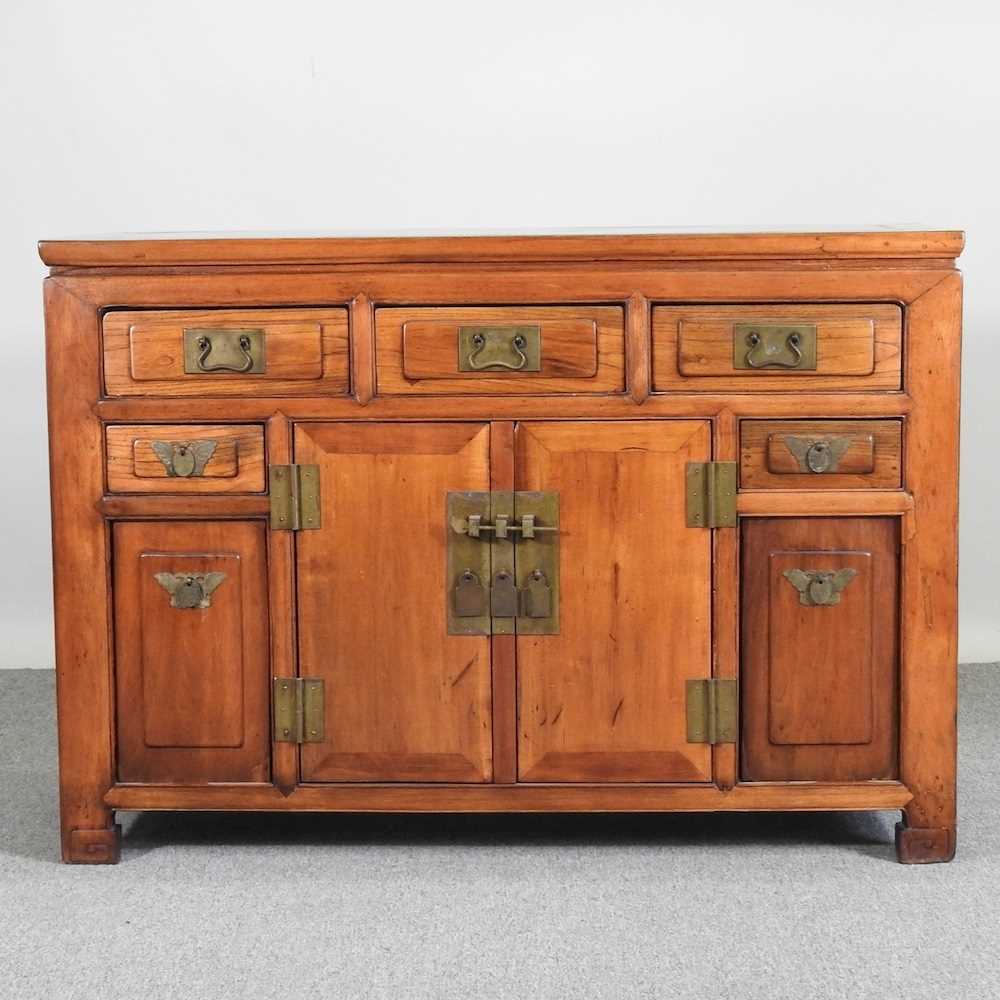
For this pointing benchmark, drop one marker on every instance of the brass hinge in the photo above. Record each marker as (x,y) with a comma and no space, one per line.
(711,494)
(294,491)
(299,709)
(711,711)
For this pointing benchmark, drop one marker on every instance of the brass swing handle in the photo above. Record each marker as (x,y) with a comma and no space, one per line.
(774,345)
(512,348)
(518,343)
(205,349)
(755,341)
(221,350)
(474,526)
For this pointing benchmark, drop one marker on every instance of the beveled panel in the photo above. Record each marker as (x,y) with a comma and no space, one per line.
(819,664)
(192,678)
(605,699)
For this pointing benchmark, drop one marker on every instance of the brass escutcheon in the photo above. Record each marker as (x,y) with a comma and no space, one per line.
(190,590)
(819,588)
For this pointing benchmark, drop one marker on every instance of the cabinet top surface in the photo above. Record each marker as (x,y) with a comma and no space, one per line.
(657,244)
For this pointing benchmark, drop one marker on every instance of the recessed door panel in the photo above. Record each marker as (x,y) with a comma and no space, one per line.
(819,657)
(604,699)
(405,701)
(191,638)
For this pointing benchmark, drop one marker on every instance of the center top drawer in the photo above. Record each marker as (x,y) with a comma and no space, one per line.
(513,350)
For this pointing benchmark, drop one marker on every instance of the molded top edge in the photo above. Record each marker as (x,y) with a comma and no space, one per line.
(170,249)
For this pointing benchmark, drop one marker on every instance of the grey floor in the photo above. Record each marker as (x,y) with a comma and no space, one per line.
(810,907)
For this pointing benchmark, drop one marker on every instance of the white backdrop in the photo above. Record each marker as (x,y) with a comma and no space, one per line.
(201,115)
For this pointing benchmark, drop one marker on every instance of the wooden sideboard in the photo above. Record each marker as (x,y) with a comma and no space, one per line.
(612,522)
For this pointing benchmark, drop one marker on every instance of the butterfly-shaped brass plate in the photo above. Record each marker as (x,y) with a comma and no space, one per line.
(819,588)
(190,590)
(184,459)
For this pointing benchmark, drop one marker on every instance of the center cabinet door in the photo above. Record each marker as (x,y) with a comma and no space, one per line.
(405,701)
(604,700)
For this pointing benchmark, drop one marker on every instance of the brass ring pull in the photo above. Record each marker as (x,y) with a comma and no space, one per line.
(205,349)
(792,342)
(518,343)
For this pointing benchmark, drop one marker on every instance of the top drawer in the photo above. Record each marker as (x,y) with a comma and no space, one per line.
(239,352)
(513,350)
(794,348)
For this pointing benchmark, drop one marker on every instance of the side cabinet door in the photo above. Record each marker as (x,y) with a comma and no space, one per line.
(604,700)
(405,701)
(191,637)
(819,664)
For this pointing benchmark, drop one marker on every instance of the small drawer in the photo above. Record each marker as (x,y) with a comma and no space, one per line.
(185,458)
(511,350)
(262,352)
(792,348)
(821,454)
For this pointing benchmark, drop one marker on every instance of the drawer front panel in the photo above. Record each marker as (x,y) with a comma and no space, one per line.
(262,352)
(819,649)
(791,348)
(191,651)
(821,454)
(185,458)
(515,350)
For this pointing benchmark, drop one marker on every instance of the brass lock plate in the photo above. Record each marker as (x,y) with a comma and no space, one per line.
(468,569)
(774,346)
(217,351)
(503,563)
(537,563)
(499,348)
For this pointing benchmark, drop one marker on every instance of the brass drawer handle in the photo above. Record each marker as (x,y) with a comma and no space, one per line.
(207,351)
(757,346)
(513,348)
(819,588)
(518,343)
(190,590)
(762,360)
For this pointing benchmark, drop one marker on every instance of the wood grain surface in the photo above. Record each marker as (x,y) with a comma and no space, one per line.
(405,700)
(605,699)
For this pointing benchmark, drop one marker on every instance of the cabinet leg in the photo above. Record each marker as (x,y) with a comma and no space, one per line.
(923,845)
(93,847)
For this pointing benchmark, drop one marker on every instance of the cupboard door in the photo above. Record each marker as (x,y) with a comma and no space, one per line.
(405,701)
(604,700)
(819,662)
(191,639)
